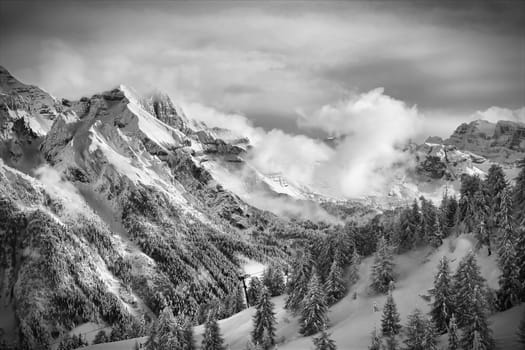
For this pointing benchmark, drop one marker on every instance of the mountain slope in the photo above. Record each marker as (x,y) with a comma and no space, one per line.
(115,217)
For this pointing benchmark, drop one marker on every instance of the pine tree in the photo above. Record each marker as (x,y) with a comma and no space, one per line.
(100,337)
(212,339)
(163,334)
(313,316)
(353,270)
(415,331)
(518,197)
(382,269)
(520,257)
(476,333)
(298,282)
(391,343)
(510,289)
(323,342)
(453,340)
(254,291)
(335,285)
(436,234)
(443,304)
(465,280)
(495,185)
(430,336)
(375,343)
(273,280)
(390,322)
(264,321)
(521,330)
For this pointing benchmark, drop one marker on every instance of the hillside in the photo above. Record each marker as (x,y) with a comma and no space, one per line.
(352,320)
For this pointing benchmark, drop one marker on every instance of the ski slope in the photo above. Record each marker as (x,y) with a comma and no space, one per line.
(352,320)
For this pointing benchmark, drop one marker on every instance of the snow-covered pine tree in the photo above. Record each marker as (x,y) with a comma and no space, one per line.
(520,255)
(353,270)
(254,291)
(335,286)
(163,331)
(390,322)
(508,294)
(476,333)
(212,338)
(495,184)
(521,330)
(415,331)
(391,343)
(453,340)
(430,336)
(375,341)
(465,280)
(298,282)
(323,342)
(264,321)
(443,304)
(383,267)
(436,234)
(273,279)
(518,197)
(313,315)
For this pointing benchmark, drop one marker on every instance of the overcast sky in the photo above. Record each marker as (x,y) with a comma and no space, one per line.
(274,61)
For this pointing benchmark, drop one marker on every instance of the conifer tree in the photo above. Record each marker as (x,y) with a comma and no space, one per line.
(510,289)
(353,270)
(415,331)
(453,340)
(323,342)
(212,338)
(298,282)
(163,334)
(436,234)
(375,343)
(443,304)
(383,267)
(254,291)
(273,280)
(465,280)
(521,330)
(391,343)
(313,316)
(390,322)
(264,321)
(476,333)
(520,257)
(335,285)
(495,185)
(430,336)
(518,197)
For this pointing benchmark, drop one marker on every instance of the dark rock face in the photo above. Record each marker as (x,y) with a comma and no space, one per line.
(432,167)
(504,141)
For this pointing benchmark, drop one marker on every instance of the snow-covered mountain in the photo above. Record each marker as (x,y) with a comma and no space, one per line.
(106,209)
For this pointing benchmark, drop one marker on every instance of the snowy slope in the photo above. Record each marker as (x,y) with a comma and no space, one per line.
(351,321)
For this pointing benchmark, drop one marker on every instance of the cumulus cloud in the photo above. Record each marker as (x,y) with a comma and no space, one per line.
(494,114)
(371,128)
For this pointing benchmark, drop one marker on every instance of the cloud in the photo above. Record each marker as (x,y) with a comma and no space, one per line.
(266,60)
(372,128)
(494,114)
(61,190)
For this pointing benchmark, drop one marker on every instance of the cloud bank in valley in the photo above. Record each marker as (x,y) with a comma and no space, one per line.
(371,129)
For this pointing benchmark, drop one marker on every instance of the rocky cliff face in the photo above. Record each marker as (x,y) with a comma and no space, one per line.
(502,142)
(108,214)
